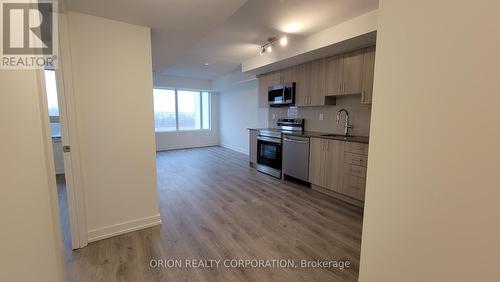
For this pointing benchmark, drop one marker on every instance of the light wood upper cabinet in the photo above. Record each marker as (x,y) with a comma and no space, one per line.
(289,75)
(346,74)
(334,75)
(264,83)
(317,83)
(302,85)
(368,73)
(353,72)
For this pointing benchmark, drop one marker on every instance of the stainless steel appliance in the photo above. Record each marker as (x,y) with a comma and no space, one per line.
(296,157)
(269,145)
(269,152)
(281,94)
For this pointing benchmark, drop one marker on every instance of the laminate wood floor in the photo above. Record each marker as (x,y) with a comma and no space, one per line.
(213,206)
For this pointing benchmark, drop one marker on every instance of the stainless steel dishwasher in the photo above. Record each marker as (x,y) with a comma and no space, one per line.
(296,157)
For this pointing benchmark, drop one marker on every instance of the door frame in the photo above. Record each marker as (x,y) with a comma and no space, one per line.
(69,137)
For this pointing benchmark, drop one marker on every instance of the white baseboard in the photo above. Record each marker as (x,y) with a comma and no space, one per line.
(166,148)
(237,149)
(122,228)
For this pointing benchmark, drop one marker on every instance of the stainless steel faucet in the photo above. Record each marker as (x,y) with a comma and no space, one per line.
(346,126)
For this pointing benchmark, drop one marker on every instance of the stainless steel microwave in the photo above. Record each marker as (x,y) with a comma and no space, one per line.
(281,94)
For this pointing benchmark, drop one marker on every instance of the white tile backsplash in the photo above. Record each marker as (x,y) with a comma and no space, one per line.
(359,114)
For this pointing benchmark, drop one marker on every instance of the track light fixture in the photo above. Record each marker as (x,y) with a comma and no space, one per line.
(268,46)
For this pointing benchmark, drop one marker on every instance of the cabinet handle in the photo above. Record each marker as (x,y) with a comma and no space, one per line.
(344,87)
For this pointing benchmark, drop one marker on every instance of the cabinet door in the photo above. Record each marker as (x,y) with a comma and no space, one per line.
(302,85)
(334,165)
(275,78)
(368,72)
(289,75)
(253,146)
(317,158)
(264,81)
(317,82)
(354,187)
(353,72)
(334,75)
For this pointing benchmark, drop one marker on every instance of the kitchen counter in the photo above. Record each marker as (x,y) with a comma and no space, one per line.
(357,139)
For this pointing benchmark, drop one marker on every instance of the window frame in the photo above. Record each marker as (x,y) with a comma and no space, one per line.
(200,93)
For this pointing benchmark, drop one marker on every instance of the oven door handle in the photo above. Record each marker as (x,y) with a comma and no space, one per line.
(269,139)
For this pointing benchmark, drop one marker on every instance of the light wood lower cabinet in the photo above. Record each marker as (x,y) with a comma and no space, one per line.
(326,163)
(317,161)
(252,154)
(354,187)
(339,166)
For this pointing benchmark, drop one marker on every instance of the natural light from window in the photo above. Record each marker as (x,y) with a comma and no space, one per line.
(51,89)
(181,110)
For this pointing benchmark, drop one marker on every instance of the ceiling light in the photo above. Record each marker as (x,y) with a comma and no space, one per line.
(268,46)
(283,41)
(293,27)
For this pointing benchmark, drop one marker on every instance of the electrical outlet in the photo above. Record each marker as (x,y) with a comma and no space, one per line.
(321,116)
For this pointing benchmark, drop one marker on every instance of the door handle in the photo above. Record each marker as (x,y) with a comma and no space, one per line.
(66,148)
(296,141)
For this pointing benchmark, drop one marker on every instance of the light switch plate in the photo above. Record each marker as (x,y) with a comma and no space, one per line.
(321,116)
(274,116)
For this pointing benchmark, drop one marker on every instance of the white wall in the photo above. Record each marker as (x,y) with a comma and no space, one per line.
(189,139)
(238,111)
(112,82)
(432,193)
(181,82)
(31,243)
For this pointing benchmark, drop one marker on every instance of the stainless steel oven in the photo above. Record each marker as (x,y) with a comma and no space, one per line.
(269,145)
(269,152)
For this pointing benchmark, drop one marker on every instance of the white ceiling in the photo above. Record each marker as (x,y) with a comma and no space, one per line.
(223,33)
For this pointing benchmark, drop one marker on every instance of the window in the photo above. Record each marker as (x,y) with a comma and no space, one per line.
(51,89)
(189,110)
(164,104)
(179,110)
